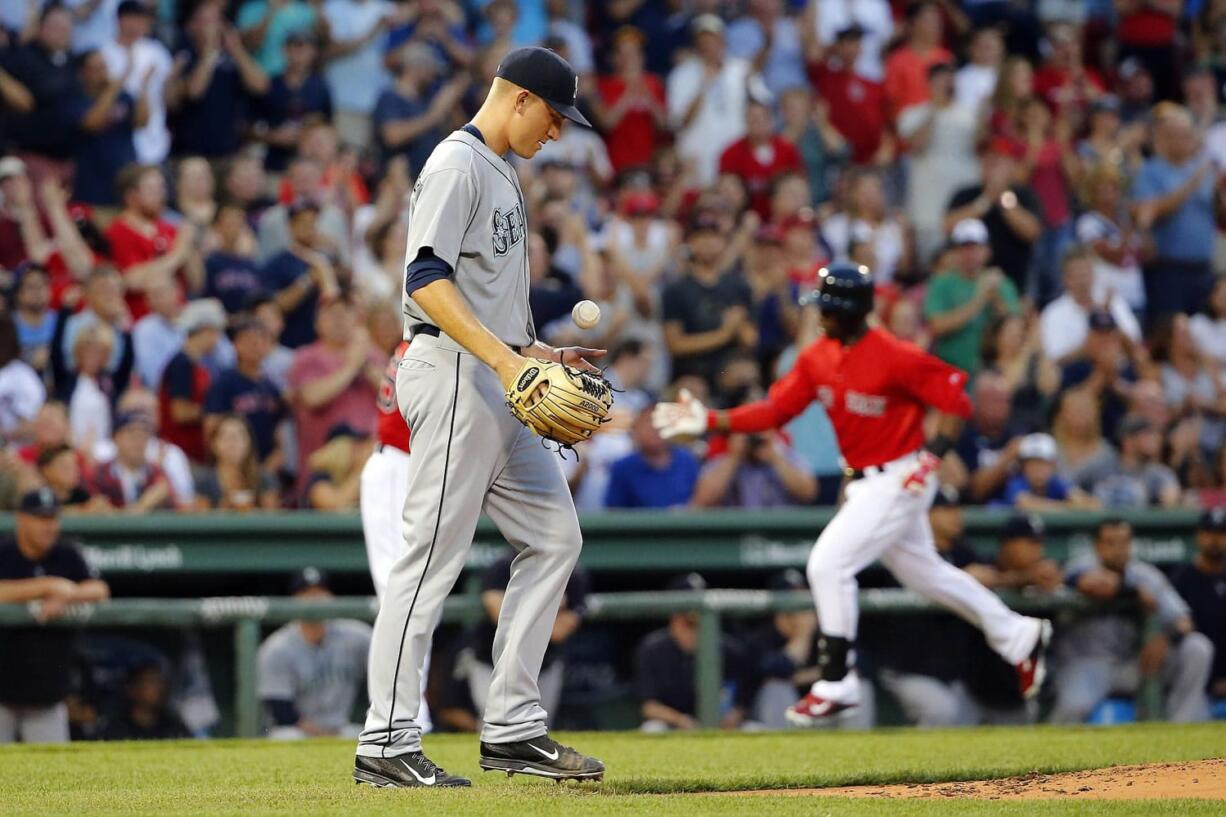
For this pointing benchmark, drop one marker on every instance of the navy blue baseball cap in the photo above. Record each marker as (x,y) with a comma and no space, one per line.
(306,579)
(547,75)
(1213,520)
(1022,526)
(40,502)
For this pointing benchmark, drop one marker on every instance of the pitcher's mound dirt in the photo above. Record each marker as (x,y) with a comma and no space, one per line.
(1205,779)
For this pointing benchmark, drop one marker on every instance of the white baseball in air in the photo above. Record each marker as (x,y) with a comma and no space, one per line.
(585,314)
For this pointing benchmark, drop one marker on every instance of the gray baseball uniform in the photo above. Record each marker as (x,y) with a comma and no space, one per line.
(470,455)
(322,681)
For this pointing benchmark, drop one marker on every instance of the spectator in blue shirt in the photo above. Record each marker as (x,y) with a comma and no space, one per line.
(657,475)
(1037,487)
(300,275)
(435,27)
(266,26)
(296,97)
(43,66)
(1173,194)
(246,391)
(230,271)
(34,320)
(410,116)
(217,77)
(106,117)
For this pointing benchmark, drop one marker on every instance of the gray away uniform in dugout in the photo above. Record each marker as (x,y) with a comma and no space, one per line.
(469,455)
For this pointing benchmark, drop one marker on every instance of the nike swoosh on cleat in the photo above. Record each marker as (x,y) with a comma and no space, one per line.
(425,781)
(551,755)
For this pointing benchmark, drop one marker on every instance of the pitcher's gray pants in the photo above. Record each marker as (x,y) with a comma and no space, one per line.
(469,455)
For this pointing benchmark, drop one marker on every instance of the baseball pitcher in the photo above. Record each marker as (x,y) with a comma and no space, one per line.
(473,356)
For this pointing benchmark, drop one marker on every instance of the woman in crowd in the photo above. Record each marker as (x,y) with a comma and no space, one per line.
(335,471)
(867,219)
(1209,327)
(1085,456)
(234,482)
(89,407)
(1107,229)
(940,137)
(1014,351)
(1190,388)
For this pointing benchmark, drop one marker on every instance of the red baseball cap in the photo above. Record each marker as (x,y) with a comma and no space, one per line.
(642,203)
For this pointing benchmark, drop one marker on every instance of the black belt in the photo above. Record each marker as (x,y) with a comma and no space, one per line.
(871,470)
(433,331)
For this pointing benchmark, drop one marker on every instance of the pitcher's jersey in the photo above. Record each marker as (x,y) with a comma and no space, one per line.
(468,208)
(876,393)
(391,428)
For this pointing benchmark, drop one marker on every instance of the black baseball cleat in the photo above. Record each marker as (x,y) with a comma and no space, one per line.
(409,771)
(543,757)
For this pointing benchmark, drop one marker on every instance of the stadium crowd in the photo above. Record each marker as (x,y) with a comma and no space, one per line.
(202,209)
(203,217)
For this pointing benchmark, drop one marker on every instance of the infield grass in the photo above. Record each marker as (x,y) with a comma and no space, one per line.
(648,775)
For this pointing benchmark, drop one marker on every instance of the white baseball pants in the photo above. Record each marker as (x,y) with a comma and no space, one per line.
(880,519)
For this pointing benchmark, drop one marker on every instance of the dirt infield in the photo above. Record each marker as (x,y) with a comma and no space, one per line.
(1204,779)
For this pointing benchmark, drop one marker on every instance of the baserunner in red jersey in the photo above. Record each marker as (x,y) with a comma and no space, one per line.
(876,390)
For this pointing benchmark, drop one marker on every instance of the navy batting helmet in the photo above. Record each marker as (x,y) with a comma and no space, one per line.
(845,288)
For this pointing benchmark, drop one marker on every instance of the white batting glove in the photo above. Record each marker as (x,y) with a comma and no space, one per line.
(685,418)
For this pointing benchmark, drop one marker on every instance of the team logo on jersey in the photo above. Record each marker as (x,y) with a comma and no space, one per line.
(826,395)
(508,229)
(865,405)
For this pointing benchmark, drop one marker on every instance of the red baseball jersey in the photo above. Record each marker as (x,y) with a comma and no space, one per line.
(392,429)
(876,393)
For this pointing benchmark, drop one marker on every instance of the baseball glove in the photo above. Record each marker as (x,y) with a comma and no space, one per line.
(559,403)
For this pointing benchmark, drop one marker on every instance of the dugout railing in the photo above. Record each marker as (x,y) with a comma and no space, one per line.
(248,615)
(187,544)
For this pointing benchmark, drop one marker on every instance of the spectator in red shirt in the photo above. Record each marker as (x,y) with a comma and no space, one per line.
(631,110)
(335,379)
(129,481)
(143,245)
(1148,30)
(906,70)
(760,157)
(1013,89)
(185,381)
(857,105)
(1063,81)
(18,216)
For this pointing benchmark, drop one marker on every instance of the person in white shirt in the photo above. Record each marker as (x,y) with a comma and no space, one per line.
(829,17)
(142,63)
(166,455)
(976,81)
(1065,322)
(89,409)
(22,393)
(578,42)
(771,40)
(93,23)
(707,93)
(1209,328)
(354,56)
(940,136)
(1105,228)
